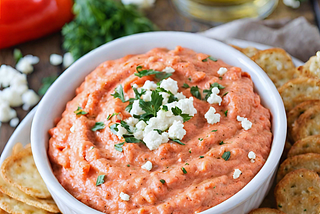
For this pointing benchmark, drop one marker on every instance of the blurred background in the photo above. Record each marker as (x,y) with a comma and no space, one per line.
(34,50)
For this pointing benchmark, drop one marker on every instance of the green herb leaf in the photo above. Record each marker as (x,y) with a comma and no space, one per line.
(185,85)
(221,143)
(100,180)
(184,170)
(146,72)
(132,140)
(137,94)
(118,147)
(125,125)
(186,164)
(98,126)
(114,128)
(225,94)
(217,85)
(118,93)
(158,130)
(176,111)
(200,139)
(163,75)
(128,165)
(106,20)
(215,130)
(17,55)
(195,92)
(80,111)
(162,181)
(226,155)
(226,113)
(201,157)
(208,92)
(129,107)
(153,106)
(211,58)
(139,68)
(111,115)
(190,151)
(46,83)
(165,108)
(178,141)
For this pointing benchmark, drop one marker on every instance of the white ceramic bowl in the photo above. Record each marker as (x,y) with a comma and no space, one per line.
(53,104)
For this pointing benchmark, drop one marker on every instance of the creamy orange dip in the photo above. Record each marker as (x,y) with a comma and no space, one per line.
(214,138)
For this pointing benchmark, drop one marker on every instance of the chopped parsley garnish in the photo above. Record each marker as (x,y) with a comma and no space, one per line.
(151,107)
(131,139)
(201,157)
(220,78)
(114,128)
(17,55)
(125,125)
(209,57)
(137,93)
(118,147)
(46,83)
(184,170)
(100,180)
(217,85)
(98,126)
(221,143)
(165,108)
(111,116)
(190,151)
(147,72)
(190,79)
(162,181)
(208,92)
(225,94)
(279,205)
(185,85)
(178,141)
(158,130)
(80,111)
(215,130)
(226,113)
(178,112)
(226,155)
(186,164)
(91,148)
(200,139)
(195,92)
(118,93)
(128,165)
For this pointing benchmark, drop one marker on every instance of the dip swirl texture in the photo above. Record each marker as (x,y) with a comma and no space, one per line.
(216,161)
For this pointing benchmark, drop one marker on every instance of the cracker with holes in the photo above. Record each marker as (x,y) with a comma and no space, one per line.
(299,90)
(295,113)
(266,211)
(311,68)
(309,161)
(299,192)
(20,171)
(307,124)
(306,145)
(277,64)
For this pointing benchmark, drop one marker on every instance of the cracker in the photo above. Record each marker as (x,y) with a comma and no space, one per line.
(299,90)
(250,51)
(307,124)
(15,193)
(13,206)
(295,113)
(17,148)
(2,211)
(265,211)
(277,64)
(311,68)
(299,192)
(306,145)
(309,161)
(20,171)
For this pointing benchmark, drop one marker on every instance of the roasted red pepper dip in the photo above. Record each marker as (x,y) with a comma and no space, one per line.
(169,131)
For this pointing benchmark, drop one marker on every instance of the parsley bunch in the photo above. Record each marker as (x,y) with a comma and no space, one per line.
(100,21)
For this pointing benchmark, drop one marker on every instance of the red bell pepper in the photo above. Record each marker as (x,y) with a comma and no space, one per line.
(24,20)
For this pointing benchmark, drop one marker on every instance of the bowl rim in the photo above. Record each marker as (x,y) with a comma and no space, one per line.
(278,120)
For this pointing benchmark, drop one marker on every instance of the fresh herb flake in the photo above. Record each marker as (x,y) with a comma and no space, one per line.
(114,128)
(200,139)
(158,130)
(190,151)
(185,85)
(184,170)
(118,146)
(225,94)
(125,125)
(17,55)
(46,83)
(80,111)
(128,165)
(211,58)
(111,116)
(178,141)
(98,126)
(221,143)
(201,157)
(118,93)
(226,155)
(215,130)
(186,164)
(226,113)
(195,92)
(165,108)
(162,181)
(139,68)
(217,85)
(132,140)
(100,180)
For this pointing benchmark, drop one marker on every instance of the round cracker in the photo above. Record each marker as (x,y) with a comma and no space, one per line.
(13,206)
(309,144)
(309,161)
(3,212)
(265,211)
(20,171)
(311,68)
(307,124)
(277,64)
(295,113)
(17,148)
(299,90)
(15,193)
(299,192)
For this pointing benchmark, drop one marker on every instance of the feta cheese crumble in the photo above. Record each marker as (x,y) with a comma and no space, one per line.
(176,131)
(168,70)
(136,109)
(55,59)
(153,139)
(211,116)
(169,85)
(214,97)
(149,85)
(252,156)
(236,173)
(124,196)
(14,122)
(292,3)
(30,98)
(222,71)
(245,123)
(67,59)
(147,166)
(24,66)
